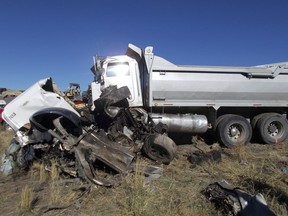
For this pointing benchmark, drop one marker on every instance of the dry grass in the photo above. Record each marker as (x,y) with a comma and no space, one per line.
(5,138)
(39,172)
(26,200)
(253,168)
(54,173)
(57,194)
(164,196)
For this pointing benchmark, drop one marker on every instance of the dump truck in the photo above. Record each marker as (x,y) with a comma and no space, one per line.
(234,103)
(134,103)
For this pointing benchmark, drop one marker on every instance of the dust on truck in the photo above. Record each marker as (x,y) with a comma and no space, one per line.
(234,103)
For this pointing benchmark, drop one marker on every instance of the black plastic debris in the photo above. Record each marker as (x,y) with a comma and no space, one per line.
(199,157)
(233,201)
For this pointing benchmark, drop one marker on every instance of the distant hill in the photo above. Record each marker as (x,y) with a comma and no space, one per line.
(2,90)
(9,95)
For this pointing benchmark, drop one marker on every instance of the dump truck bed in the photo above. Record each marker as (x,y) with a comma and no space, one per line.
(217,86)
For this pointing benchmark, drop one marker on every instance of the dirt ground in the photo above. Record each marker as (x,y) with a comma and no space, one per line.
(255,168)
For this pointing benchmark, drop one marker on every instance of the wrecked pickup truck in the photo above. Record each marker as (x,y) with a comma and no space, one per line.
(48,127)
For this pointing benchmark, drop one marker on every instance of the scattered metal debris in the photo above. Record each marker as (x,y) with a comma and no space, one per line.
(233,201)
(113,135)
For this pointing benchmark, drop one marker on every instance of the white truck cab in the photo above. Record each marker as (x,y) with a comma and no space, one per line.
(121,71)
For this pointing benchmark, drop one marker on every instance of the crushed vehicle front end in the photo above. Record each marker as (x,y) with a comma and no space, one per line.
(48,128)
(40,95)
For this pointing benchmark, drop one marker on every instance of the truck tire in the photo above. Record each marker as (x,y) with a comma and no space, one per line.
(256,136)
(160,148)
(220,118)
(233,130)
(256,119)
(272,128)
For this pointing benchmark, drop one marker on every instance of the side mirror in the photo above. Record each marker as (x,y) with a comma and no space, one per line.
(97,70)
(98,76)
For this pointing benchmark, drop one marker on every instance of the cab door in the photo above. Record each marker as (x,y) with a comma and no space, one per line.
(119,73)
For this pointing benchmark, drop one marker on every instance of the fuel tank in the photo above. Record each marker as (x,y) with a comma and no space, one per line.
(184,123)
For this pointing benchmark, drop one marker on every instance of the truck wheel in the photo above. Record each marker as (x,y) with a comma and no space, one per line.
(257,118)
(233,130)
(160,148)
(254,123)
(272,128)
(220,118)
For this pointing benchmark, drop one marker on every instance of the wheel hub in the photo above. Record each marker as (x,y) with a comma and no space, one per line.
(234,132)
(273,129)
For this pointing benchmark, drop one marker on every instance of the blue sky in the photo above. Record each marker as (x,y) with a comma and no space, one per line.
(57,38)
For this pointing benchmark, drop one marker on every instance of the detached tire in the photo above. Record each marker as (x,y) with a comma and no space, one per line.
(160,148)
(272,128)
(233,130)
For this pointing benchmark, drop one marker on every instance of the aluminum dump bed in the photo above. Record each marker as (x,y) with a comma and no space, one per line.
(216,86)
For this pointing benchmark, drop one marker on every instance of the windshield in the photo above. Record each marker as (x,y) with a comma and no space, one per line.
(118,69)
